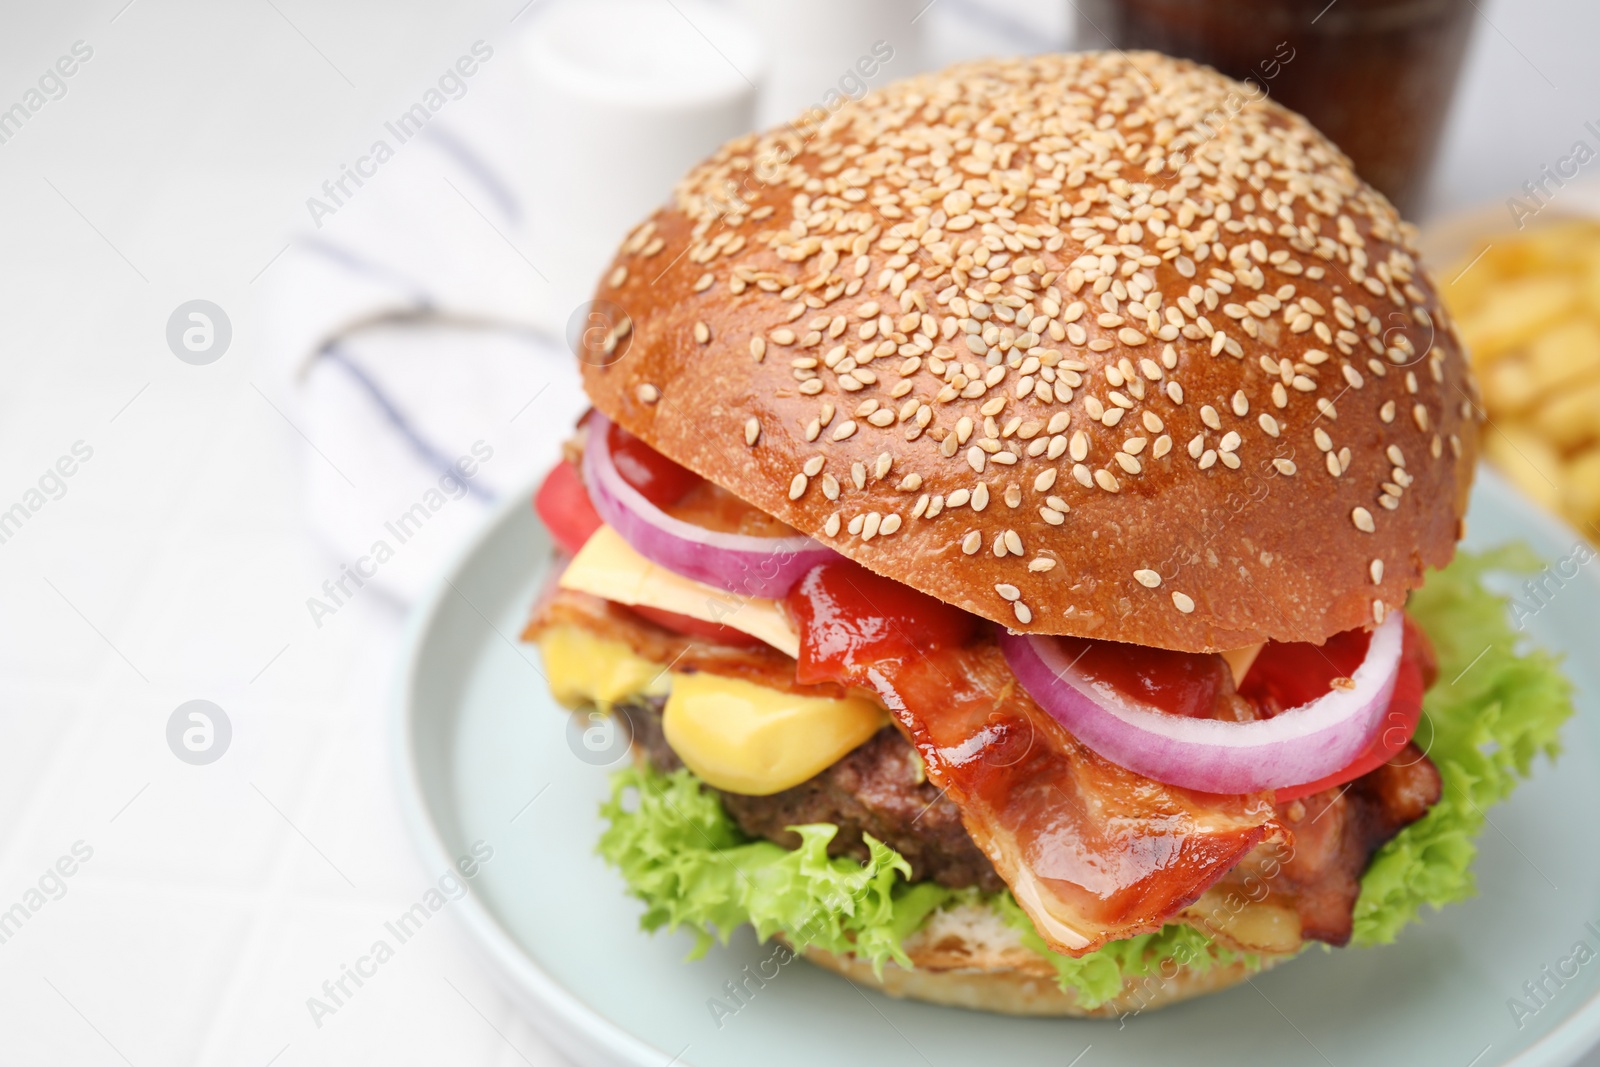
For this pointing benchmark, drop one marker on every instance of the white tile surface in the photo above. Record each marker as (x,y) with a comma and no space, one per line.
(219,898)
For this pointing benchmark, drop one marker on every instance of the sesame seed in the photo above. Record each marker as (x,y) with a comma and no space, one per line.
(1013,542)
(1023,613)
(869,528)
(1363,520)
(702,332)
(797,487)
(1182,602)
(1147,578)
(813,466)
(1285,467)
(647,393)
(844,430)
(831,527)
(752,430)
(890,524)
(972,542)
(980,497)
(1376,570)
(1008,592)
(1039,564)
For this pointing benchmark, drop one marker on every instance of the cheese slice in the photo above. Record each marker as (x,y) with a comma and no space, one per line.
(750,739)
(607,566)
(583,668)
(735,734)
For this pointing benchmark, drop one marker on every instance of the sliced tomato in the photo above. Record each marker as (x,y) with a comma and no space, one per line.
(563,503)
(693,627)
(1399,722)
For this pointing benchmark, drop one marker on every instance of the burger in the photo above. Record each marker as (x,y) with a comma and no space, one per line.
(1015,528)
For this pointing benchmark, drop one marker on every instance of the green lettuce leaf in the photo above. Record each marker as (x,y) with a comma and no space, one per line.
(1101,974)
(682,854)
(1490,713)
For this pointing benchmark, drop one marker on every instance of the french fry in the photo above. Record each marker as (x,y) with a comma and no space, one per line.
(1528,460)
(1528,309)
(1515,313)
(1581,489)
(1572,418)
(1509,387)
(1564,355)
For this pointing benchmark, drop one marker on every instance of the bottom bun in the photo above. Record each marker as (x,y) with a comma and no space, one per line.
(967,957)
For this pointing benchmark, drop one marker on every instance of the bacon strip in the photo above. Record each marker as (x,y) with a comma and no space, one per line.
(1093,852)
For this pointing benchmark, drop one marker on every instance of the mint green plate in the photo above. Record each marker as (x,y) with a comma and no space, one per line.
(486,755)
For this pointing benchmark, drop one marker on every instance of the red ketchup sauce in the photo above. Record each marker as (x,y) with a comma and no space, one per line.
(1109,852)
(1182,683)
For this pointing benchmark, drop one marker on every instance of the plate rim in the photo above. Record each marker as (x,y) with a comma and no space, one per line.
(568,1021)
(564,1017)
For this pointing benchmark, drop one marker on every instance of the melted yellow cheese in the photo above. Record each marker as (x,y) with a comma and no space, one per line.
(1240,659)
(747,738)
(584,669)
(736,735)
(607,566)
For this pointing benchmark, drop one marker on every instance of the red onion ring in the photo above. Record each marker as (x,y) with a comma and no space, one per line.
(750,566)
(1296,746)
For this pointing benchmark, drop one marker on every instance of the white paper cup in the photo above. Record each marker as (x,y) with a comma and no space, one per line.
(626,96)
(818,50)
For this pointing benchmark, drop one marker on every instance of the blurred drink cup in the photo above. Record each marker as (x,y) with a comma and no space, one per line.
(1376,76)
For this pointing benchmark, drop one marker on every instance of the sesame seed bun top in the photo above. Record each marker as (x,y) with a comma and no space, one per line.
(1092,344)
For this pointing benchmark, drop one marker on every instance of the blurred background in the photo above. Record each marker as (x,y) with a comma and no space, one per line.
(275,273)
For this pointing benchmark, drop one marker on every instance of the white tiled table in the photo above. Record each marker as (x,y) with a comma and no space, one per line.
(175,566)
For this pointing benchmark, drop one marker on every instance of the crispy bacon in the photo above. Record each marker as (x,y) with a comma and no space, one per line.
(1092,851)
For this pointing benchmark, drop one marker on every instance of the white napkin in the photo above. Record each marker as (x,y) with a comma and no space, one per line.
(407,347)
